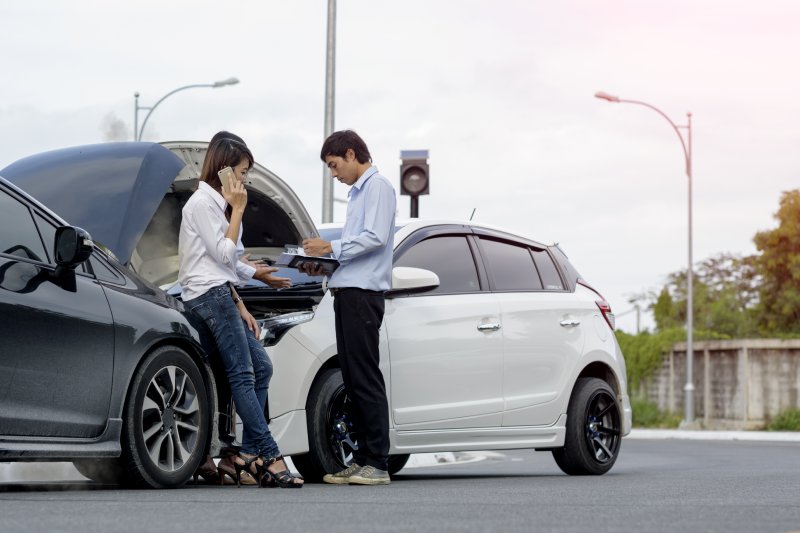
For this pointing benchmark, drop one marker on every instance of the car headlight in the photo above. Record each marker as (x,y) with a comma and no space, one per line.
(270,327)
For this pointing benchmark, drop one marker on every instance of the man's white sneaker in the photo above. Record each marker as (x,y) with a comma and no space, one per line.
(342,477)
(369,475)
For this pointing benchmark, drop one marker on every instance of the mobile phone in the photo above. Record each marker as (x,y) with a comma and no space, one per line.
(224,174)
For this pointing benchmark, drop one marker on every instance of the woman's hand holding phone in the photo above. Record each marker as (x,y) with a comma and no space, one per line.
(232,189)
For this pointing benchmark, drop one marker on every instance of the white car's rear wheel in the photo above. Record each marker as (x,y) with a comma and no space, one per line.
(593,435)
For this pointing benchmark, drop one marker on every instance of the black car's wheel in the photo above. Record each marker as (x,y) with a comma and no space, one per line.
(110,471)
(593,434)
(332,437)
(166,420)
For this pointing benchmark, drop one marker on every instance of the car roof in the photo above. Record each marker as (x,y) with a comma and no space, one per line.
(410,225)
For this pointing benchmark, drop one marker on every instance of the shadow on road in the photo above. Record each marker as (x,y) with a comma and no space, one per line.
(42,486)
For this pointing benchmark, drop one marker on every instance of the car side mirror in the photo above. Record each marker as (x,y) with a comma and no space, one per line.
(408,280)
(73,246)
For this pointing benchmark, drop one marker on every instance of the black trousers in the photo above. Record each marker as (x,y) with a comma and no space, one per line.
(359,314)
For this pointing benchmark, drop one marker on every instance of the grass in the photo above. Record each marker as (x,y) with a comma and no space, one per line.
(788,420)
(648,415)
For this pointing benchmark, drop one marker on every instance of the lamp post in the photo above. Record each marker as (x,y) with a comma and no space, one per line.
(137,132)
(687,152)
(330,107)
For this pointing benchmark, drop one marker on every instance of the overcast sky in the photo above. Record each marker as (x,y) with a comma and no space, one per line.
(500,92)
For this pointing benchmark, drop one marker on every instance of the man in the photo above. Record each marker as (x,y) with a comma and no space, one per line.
(364,253)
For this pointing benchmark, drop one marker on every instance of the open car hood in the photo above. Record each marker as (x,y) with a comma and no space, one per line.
(110,189)
(128,195)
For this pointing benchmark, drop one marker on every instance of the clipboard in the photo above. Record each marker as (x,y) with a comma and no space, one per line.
(293,257)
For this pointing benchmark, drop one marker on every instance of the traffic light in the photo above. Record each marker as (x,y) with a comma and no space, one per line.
(414,176)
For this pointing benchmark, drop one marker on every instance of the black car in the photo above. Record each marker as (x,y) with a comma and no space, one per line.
(99,365)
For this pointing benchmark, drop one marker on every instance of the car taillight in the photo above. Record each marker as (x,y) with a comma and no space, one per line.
(605,309)
(602,304)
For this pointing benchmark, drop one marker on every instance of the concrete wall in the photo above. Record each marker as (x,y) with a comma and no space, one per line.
(739,384)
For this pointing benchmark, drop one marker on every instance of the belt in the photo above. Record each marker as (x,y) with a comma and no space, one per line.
(337,290)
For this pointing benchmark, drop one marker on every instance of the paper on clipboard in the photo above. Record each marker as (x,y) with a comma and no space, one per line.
(294,256)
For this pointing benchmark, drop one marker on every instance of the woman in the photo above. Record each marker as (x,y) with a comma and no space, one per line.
(211,262)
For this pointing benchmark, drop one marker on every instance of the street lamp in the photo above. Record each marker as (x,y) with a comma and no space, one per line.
(137,132)
(330,107)
(687,152)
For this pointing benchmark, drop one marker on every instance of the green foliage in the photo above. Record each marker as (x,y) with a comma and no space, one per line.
(666,313)
(725,294)
(648,415)
(644,352)
(779,265)
(788,420)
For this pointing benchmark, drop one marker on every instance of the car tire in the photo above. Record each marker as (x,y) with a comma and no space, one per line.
(332,437)
(593,433)
(106,471)
(166,420)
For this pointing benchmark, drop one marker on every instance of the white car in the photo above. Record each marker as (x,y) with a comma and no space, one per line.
(489,341)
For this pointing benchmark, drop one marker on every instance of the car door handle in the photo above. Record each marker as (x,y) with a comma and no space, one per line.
(488,327)
(570,323)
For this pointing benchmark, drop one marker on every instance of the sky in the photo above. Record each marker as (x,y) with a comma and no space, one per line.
(500,92)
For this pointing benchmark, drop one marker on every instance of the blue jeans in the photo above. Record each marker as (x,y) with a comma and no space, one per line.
(246,363)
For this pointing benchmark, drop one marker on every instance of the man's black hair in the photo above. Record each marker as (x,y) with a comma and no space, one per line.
(339,142)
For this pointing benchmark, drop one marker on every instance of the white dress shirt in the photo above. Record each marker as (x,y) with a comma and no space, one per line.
(207,257)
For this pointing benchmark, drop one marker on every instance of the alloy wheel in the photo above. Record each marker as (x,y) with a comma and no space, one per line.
(171,418)
(602,426)
(342,439)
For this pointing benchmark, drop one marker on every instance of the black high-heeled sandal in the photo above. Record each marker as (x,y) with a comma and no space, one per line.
(246,467)
(283,479)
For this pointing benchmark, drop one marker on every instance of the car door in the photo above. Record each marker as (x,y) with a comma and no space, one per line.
(56,346)
(445,348)
(542,337)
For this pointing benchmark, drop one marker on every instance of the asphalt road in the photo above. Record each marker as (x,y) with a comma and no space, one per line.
(656,485)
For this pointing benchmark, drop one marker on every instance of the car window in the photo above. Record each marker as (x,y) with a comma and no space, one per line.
(511,267)
(18,233)
(450,258)
(547,269)
(104,272)
(48,232)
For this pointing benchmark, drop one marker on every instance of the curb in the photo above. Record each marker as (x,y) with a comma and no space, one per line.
(689,434)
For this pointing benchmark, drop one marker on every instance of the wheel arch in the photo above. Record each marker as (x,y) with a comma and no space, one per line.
(212,376)
(605,371)
(600,370)
(329,364)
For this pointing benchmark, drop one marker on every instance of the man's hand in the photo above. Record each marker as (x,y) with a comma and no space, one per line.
(264,274)
(312,268)
(316,247)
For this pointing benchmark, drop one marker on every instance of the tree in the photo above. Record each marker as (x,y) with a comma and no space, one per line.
(725,294)
(779,264)
(666,313)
